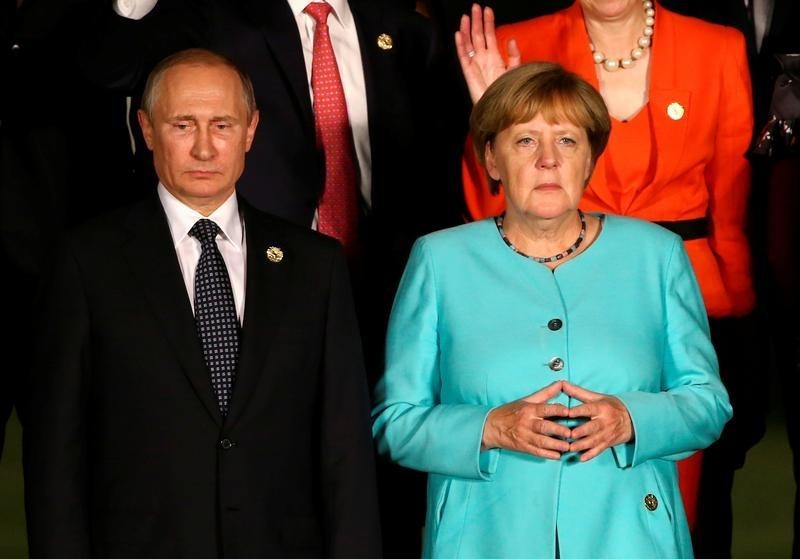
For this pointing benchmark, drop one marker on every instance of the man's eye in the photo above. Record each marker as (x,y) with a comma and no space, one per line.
(181,126)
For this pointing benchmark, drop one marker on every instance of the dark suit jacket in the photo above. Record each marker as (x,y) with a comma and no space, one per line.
(46,179)
(128,456)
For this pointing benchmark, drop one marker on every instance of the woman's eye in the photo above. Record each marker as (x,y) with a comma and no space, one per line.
(526,141)
(566,141)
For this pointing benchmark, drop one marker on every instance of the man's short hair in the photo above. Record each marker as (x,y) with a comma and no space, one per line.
(194,57)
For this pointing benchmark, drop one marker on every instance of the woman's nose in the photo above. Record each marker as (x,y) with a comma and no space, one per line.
(547,156)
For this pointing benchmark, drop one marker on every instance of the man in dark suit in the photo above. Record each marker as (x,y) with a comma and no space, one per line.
(133,451)
(391,65)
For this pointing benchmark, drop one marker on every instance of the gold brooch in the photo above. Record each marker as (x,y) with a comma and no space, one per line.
(274,254)
(675,111)
(385,41)
(650,502)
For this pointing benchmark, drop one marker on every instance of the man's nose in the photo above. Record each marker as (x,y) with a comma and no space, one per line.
(203,147)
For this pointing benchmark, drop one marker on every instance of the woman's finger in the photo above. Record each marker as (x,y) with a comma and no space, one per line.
(514,55)
(550,429)
(477,33)
(547,393)
(489,33)
(580,393)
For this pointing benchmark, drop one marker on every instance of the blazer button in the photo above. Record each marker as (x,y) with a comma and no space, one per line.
(555,324)
(227,444)
(650,502)
(556,364)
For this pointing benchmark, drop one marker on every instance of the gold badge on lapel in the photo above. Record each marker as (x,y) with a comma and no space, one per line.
(274,254)
(675,111)
(385,41)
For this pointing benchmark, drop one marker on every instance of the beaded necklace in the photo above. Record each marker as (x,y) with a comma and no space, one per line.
(613,64)
(556,257)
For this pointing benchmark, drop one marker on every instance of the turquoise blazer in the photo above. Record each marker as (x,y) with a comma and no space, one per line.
(472,328)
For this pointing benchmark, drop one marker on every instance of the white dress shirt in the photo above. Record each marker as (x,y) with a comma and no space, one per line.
(231,242)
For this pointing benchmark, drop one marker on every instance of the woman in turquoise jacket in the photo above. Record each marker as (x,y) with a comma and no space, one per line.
(549,397)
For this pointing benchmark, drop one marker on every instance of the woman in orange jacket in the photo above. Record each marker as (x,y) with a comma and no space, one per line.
(678,90)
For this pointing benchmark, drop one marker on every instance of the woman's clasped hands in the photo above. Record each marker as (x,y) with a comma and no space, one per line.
(532,425)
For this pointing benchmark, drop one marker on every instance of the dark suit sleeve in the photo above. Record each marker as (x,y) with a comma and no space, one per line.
(54,436)
(118,52)
(352,529)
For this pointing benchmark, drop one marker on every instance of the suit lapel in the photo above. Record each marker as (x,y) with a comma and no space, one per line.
(154,263)
(369,24)
(578,56)
(669,133)
(670,107)
(268,282)
(279,29)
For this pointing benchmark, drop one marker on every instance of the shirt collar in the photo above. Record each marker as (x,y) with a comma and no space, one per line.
(341,10)
(181,217)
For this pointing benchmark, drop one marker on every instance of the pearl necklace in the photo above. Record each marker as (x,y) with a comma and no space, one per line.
(556,257)
(613,64)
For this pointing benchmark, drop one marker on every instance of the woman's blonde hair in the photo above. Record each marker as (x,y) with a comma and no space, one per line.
(538,88)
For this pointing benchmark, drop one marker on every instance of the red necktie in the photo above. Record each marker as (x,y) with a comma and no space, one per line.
(338,207)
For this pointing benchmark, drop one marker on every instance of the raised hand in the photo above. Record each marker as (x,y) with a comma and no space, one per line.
(524,425)
(609,422)
(476,46)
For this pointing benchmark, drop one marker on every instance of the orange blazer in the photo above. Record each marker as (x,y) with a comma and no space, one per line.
(700,167)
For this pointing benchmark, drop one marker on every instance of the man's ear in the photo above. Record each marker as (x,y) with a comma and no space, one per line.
(251,130)
(147,128)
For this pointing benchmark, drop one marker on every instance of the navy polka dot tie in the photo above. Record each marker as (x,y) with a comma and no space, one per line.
(215,313)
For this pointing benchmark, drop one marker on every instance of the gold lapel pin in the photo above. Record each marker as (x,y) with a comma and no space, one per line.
(274,254)
(385,41)
(675,111)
